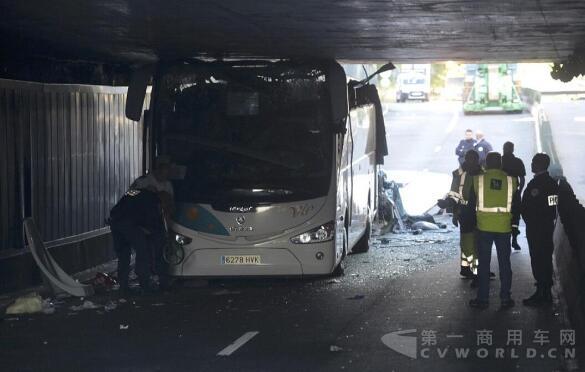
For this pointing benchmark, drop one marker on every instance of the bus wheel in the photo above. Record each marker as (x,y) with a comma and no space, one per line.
(363,245)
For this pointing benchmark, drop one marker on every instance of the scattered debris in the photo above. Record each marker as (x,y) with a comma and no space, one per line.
(335,348)
(424,225)
(48,306)
(111,305)
(28,304)
(103,281)
(334,281)
(122,301)
(86,305)
(356,297)
(124,326)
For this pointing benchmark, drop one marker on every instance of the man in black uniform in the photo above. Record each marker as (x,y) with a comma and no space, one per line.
(539,212)
(515,168)
(137,222)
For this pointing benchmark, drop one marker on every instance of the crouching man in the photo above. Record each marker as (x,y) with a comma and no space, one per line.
(137,222)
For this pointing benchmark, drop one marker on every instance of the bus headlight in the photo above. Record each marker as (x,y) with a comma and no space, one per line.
(182,239)
(319,234)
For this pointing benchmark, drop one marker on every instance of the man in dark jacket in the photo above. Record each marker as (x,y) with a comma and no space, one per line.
(464,145)
(137,222)
(515,168)
(482,146)
(539,211)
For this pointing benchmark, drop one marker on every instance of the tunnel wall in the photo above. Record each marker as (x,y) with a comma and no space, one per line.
(67,154)
(569,257)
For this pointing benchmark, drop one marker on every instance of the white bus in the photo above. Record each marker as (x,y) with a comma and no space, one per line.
(279,167)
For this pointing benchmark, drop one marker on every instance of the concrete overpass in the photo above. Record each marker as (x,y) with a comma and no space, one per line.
(134,31)
(96,42)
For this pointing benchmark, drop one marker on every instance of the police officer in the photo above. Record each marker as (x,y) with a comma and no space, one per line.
(136,221)
(539,203)
(514,167)
(498,213)
(464,145)
(464,212)
(482,146)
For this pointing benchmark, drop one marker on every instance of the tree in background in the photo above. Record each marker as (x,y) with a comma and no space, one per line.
(438,77)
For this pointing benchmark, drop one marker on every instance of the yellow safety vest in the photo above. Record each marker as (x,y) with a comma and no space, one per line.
(494,192)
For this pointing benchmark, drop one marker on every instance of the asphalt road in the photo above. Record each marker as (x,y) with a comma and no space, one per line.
(405,283)
(423,136)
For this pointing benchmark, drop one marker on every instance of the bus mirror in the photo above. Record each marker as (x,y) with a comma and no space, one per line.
(139,80)
(338,96)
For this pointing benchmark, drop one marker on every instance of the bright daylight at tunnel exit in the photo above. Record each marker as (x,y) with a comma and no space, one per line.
(319,186)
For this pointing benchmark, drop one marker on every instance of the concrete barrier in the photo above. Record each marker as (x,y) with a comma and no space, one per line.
(569,236)
(569,257)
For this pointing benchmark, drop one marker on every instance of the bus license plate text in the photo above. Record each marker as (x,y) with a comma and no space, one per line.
(241,260)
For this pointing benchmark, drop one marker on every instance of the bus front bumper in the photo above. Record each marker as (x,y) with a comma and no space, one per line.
(316,259)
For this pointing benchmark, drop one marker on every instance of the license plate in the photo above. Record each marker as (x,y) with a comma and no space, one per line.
(241,260)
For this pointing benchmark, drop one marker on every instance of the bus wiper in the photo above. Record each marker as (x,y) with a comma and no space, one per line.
(220,146)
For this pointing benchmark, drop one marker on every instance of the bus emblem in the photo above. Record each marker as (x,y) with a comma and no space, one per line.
(240,220)
(301,210)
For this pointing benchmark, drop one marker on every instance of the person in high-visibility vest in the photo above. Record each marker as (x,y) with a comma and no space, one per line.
(464,212)
(498,213)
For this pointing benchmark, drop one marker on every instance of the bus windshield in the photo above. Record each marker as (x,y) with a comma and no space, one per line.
(257,132)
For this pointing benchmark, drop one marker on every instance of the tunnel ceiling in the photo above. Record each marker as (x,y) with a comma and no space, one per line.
(398,30)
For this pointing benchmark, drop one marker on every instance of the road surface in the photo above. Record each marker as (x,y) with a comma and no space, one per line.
(406,286)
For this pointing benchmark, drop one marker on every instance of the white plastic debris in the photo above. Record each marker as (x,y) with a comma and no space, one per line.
(122,301)
(335,348)
(334,281)
(29,304)
(124,326)
(86,305)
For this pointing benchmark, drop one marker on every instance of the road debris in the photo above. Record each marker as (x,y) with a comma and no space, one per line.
(29,304)
(111,305)
(86,305)
(124,326)
(335,348)
(48,306)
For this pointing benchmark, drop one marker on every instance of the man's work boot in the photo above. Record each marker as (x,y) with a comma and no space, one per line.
(536,299)
(515,244)
(466,272)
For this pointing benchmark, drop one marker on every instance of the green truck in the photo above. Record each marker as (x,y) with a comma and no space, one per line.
(492,90)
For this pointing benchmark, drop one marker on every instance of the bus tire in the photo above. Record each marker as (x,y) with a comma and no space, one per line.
(363,245)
